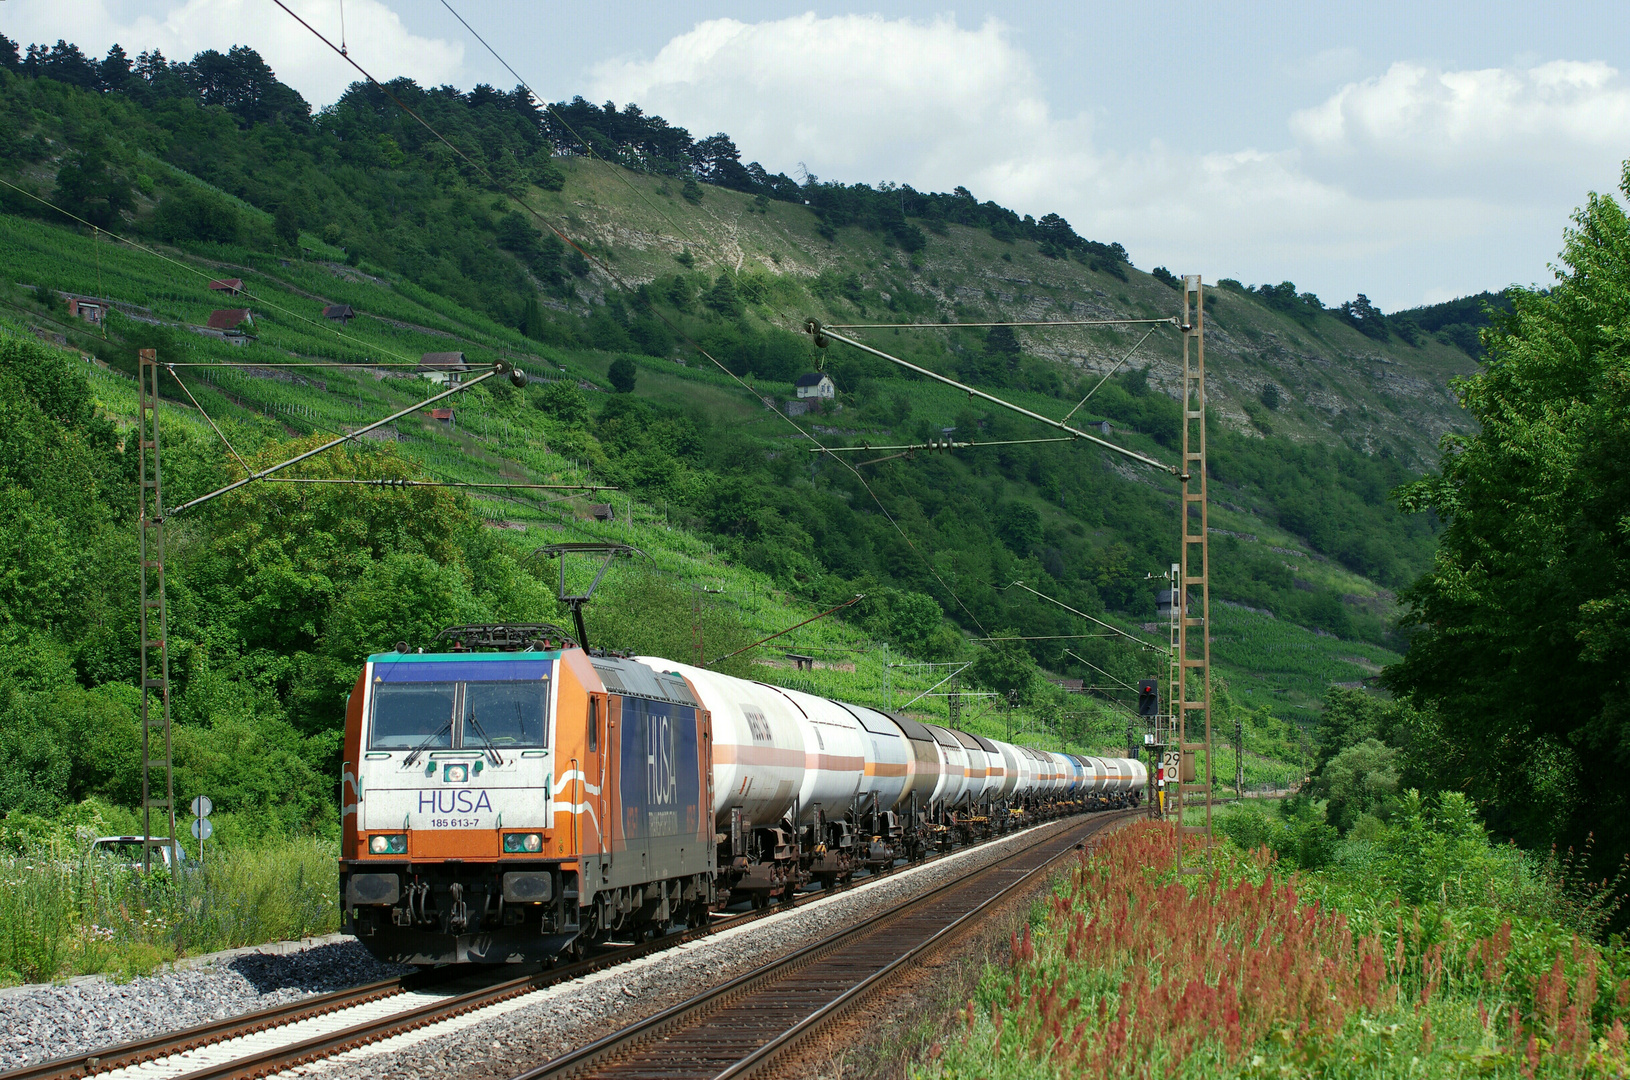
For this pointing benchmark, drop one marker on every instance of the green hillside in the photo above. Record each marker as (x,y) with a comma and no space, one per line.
(1316,416)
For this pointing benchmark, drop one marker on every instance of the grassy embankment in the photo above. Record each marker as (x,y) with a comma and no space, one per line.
(1418,950)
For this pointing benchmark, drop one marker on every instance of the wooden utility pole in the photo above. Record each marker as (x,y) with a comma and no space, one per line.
(155,626)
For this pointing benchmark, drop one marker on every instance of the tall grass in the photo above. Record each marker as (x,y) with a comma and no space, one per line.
(64,915)
(1130,970)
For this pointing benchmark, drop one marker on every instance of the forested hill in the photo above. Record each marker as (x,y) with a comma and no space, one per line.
(369,180)
(1319,411)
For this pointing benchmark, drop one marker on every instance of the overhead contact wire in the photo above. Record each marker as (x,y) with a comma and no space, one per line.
(247,471)
(1107,374)
(383,482)
(1074,611)
(1168,321)
(1101,671)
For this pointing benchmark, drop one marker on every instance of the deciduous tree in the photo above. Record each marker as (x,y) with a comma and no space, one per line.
(1523,624)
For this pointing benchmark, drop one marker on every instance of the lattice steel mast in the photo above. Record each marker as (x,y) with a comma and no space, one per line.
(1193,702)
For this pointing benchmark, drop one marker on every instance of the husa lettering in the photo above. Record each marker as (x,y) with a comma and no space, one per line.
(459,801)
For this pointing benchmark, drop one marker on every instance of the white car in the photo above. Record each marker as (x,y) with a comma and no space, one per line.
(128,851)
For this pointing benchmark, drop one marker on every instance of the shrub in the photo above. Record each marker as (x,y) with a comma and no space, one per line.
(548,176)
(563,401)
(622,374)
(1362,779)
(194,214)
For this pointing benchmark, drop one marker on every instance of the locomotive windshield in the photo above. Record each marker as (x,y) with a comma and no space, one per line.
(505,714)
(409,715)
(454,715)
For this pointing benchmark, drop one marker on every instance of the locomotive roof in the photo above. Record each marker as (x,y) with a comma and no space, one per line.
(633,677)
(461,667)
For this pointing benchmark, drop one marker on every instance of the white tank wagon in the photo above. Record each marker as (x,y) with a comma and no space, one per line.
(806,787)
(1122,775)
(980,767)
(954,767)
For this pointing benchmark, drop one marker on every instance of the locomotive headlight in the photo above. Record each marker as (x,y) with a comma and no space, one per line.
(388,844)
(455,774)
(519,842)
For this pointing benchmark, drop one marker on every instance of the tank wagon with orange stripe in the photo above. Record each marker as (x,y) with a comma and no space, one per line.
(512,806)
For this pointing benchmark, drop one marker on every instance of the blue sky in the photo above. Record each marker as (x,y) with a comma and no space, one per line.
(1412,152)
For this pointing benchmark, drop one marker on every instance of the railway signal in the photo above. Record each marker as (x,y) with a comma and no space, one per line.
(1149,698)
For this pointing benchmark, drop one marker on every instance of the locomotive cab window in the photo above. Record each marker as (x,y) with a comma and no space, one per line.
(410,715)
(460,715)
(594,722)
(505,714)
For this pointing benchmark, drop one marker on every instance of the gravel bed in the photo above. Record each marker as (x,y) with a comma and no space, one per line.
(54,1020)
(508,1039)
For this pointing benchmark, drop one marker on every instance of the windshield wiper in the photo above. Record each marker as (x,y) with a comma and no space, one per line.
(408,761)
(492,751)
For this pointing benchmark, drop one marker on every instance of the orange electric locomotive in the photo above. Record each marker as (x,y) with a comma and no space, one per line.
(517,805)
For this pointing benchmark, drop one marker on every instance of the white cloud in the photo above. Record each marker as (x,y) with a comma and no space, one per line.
(855,96)
(1412,181)
(374,37)
(1515,132)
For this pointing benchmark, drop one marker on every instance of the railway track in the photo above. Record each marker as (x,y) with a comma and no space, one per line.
(744,1026)
(267,1041)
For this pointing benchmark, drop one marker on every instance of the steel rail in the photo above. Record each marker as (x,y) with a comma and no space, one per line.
(610,1049)
(874,983)
(106,1059)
